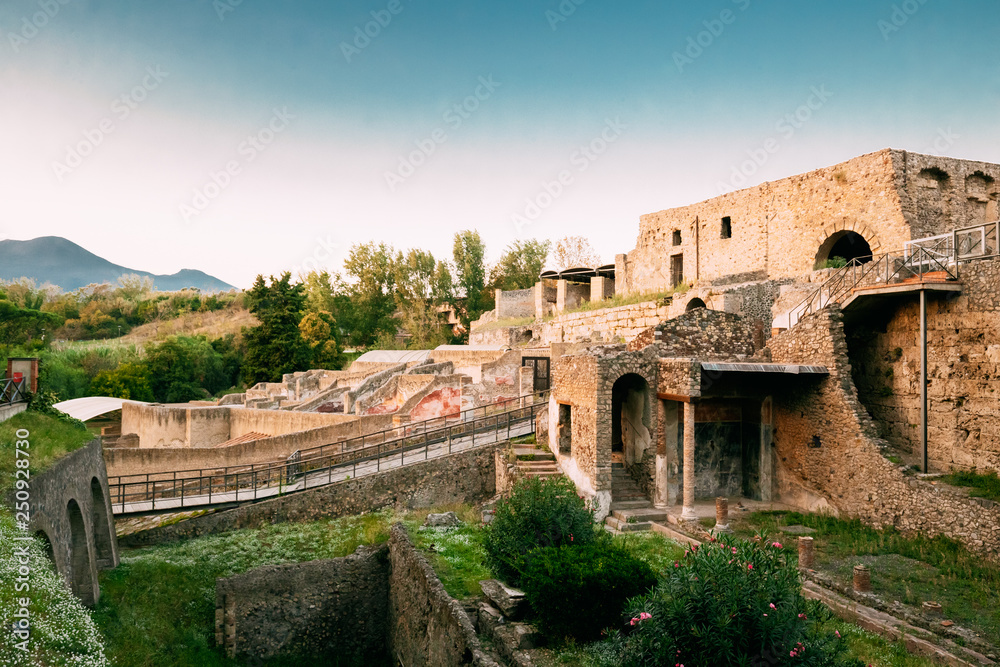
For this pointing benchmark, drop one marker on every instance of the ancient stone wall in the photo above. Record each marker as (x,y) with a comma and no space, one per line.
(702,333)
(778,229)
(426,626)
(963,357)
(515,303)
(827,443)
(334,611)
(466,477)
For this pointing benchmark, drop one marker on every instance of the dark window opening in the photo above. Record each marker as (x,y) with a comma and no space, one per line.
(727,227)
(676,270)
(565,429)
(677,237)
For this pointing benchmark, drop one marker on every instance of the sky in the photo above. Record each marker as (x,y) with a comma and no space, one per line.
(245,137)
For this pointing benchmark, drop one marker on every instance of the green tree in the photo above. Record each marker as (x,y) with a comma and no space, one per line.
(184,368)
(275,346)
(319,331)
(371,272)
(469,253)
(129,381)
(419,281)
(520,265)
(21,325)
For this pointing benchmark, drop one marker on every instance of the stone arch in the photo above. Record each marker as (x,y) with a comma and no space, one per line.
(104,552)
(81,576)
(981,198)
(631,417)
(933,177)
(845,243)
(694,303)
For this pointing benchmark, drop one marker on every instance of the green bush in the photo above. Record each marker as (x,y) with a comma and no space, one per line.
(539,513)
(729,602)
(578,591)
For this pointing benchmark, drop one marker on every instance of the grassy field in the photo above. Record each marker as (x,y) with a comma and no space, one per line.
(912,570)
(983,486)
(49,439)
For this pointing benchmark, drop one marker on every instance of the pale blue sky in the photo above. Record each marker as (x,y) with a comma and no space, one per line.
(914,75)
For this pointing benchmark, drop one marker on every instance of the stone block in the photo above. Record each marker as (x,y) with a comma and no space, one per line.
(508,600)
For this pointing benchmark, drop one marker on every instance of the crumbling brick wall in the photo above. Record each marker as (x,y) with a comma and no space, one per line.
(825,440)
(963,356)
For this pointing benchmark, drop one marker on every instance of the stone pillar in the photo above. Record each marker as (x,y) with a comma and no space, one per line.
(806,553)
(560,295)
(687,513)
(722,515)
(660,485)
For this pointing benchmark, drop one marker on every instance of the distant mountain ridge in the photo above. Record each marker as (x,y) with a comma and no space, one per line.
(53,259)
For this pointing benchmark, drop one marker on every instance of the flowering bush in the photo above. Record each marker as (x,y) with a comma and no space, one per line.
(578,591)
(61,629)
(539,513)
(729,602)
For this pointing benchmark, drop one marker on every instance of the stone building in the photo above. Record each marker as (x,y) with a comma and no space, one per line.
(779,355)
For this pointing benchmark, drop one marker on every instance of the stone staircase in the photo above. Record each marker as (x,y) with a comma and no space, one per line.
(534,462)
(631,510)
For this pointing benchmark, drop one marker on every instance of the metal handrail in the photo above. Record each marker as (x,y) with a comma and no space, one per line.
(377,438)
(13,391)
(247,485)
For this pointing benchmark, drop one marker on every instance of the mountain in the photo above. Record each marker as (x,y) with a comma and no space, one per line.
(61,262)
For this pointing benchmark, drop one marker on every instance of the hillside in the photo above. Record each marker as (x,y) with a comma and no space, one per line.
(61,262)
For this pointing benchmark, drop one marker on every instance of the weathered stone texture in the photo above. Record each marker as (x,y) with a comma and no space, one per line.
(963,356)
(888,197)
(706,334)
(826,441)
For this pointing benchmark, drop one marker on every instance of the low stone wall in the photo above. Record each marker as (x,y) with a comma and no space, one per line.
(606,324)
(702,333)
(380,606)
(123,461)
(324,610)
(8,411)
(466,477)
(515,303)
(824,438)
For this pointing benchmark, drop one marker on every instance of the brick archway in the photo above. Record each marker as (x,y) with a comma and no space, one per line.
(867,242)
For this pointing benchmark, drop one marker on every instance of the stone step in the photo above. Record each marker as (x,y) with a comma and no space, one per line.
(537,464)
(640,514)
(625,526)
(536,454)
(617,504)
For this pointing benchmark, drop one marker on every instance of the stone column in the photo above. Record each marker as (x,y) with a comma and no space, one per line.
(806,553)
(660,487)
(687,513)
(560,296)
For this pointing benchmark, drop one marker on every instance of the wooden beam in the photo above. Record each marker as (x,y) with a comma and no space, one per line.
(675,397)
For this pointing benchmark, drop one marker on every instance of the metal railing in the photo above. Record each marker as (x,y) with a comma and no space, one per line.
(13,391)
(874,270)
(325,464)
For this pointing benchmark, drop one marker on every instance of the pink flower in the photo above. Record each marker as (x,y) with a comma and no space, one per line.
(676,564)
(734,549)
(776,545)
(837,632)
(765,614)
(772,606)
(750,566)
(791,653)
(802,615)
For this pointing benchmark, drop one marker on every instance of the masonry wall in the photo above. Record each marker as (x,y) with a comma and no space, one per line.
(69,503)
(778,228)
(826,444)
(515,303)
(467,477)
(130,461)
(334,611)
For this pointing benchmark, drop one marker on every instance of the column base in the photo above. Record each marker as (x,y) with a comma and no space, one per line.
(688,514)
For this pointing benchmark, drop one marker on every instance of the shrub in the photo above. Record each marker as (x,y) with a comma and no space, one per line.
(577,591)
(539,513)
(730,602)
(834,263)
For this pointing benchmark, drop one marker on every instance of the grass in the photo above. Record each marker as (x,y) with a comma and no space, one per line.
(983,486)
(506,322)
(50,439)
(626,300)
(158,607)
(911,569)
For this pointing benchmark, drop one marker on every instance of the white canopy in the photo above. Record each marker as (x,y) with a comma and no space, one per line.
(90,406)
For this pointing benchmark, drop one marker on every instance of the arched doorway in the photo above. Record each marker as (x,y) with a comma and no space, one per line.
(693,304)
(81,578)
(847,246)
(631,419)
(103,550)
